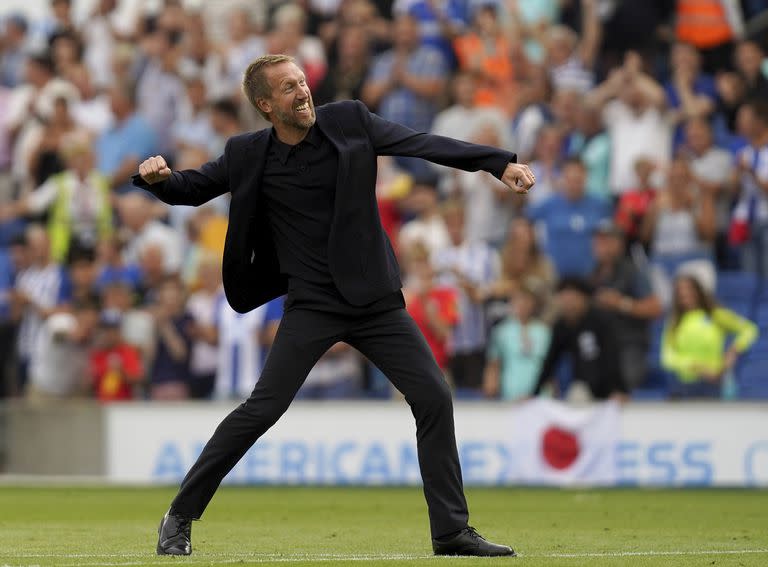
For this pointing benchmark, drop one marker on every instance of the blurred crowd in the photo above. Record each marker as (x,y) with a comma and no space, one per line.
(645,123)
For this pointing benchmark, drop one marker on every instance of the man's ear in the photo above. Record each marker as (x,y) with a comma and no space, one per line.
(264,105)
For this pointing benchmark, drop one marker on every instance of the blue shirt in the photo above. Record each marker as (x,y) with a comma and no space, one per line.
(6,283)
(568,227)
(455,11)
(134,137)
(702,85)
(402,105)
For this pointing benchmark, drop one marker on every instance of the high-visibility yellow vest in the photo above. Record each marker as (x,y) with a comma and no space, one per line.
(59,219)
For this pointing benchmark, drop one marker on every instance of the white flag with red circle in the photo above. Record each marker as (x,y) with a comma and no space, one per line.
(560,444)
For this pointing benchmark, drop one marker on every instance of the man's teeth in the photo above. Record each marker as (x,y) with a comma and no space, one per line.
(304,106)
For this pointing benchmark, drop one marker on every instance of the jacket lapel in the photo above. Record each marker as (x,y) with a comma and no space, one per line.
(332,129)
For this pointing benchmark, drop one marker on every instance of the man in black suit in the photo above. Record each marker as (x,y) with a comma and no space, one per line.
(304,221)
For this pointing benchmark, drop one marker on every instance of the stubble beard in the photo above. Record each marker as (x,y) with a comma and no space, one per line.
(290,120)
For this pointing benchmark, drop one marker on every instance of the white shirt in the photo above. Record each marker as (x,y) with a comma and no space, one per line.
(205,356)
(431,232)
(487,217)
(239,352)
(647,135)
(58,366)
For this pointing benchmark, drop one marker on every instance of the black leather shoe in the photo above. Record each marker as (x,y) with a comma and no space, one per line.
(174,535)
(469,542)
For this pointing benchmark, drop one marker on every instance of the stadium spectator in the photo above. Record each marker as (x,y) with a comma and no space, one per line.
(59,367)
(516,350)
(680,230)
(77,201)
(463,120)
(392,186)
(241,340)
(289,36)
(242,47)
(693,343)
(690,92)
(546,164)
(712,171)
(487,51)
(523,264)
(201,306)
(439,23)
(533,94)
(469,266)
(633,205)
(136,214)
(31,103)
(82,274)
(587,335)
(130,138)
(159,90)
(193,128)
(344,80)
(46,157)
(406,82)
(170,375)
(634,112)
(112,265)
(101,31)
(592,145)
(750,216)
(115,365)
(336,376)
(710,26)
(14,53)
(39,290)
(488,203)
(225,124)
(624,292)
(568,220)
(571,58)
(428,225)
(137,326)
(92,111)
(749,60)
(434,307)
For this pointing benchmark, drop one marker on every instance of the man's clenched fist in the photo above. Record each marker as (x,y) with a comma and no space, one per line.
(154,170)
(518,177)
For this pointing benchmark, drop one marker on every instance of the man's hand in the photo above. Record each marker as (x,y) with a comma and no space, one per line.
(154,170)
(518,177)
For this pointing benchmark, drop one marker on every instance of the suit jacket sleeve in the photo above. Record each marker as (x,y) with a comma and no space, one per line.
(390,138)
(191,186)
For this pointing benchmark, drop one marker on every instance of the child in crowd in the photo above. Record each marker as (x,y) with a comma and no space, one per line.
(116,366)
(516,349)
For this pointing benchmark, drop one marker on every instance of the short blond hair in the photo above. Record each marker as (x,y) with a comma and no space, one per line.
(255,84)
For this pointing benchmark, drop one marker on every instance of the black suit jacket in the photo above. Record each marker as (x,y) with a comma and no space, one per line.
(360,256)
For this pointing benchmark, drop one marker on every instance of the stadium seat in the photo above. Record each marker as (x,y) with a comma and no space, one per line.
(736,286)
(752,378)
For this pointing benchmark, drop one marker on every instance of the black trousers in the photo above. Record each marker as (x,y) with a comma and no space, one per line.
(390,340)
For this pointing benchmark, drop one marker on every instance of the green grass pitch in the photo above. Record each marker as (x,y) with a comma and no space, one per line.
(386,526)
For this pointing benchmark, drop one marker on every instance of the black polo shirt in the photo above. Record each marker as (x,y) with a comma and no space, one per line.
(299,189)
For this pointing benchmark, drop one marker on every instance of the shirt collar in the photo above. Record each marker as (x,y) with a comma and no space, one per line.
(283,150)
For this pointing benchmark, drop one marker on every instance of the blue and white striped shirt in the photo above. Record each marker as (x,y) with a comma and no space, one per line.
(480,264)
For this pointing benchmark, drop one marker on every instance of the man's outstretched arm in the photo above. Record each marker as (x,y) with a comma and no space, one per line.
(390,138)
(188,187)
